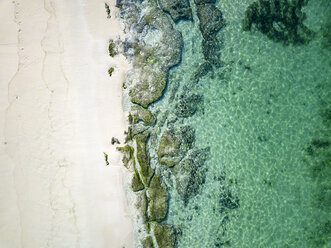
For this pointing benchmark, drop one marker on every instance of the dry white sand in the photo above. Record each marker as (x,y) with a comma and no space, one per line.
(59,110)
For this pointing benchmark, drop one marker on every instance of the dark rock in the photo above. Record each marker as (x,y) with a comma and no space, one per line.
(114,140)
(188,104)
(279,20)
(178,9)
(118,3)
(157,200)
(204,1)
(228,201)
(202,70)
(211,51)
(190,174)
(211,20)
(174,144)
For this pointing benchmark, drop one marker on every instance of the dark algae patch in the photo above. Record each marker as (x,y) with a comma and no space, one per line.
(228,105)
(279,20)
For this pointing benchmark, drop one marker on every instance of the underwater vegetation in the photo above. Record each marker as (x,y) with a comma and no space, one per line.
(279,20)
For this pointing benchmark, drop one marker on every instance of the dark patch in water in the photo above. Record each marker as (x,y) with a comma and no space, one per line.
(279,20)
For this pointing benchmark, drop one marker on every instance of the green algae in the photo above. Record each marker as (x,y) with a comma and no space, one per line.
(173,145)
(106,158)
(128,155)
(157,200)
(150,87)
(110,71)
(146,172)
(141,205)
(147,242)
(107,10)
(164,234)
(141,114)
(111,48)
(136,183)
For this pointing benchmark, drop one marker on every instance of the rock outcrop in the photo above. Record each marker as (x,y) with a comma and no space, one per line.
(157,200)
(174,143)
(178,9)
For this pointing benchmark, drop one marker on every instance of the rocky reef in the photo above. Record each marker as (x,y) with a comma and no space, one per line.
(177,9)
(154,47)
(146,171)
(210,23)
(279,20)
(157,200)
(174,144)
(165,235)
(155,147)
(190,174)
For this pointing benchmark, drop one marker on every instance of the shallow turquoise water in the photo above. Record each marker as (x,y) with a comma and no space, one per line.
(266,119)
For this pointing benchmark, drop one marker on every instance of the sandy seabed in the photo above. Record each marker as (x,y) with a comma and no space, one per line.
(59,110)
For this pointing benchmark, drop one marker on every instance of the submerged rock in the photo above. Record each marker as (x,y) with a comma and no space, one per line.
(147,242)
(146,172)
(211,51)
(157,200)
(178,9)
(174,143)
(128,155)
(190,174)
(165,235)
(188,104)
(279,20)
(154,47)
(149,86)
(204,1)
(211,20)
(202,70)
(141,114)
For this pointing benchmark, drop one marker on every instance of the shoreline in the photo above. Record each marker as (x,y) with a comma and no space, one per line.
(63,111)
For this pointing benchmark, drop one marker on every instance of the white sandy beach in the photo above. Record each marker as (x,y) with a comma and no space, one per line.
(59,110)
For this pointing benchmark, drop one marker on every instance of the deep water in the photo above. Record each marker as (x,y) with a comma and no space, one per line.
(266,119)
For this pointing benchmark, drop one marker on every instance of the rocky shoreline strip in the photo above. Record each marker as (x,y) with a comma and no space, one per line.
(154,46)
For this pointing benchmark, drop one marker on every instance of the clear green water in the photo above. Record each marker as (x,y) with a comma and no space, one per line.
(264,113)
